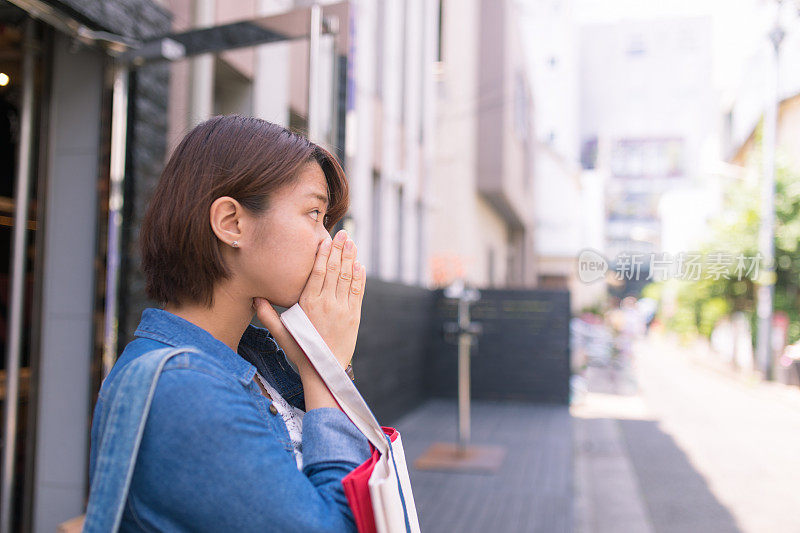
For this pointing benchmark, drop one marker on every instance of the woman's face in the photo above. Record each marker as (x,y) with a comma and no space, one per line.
(277,261)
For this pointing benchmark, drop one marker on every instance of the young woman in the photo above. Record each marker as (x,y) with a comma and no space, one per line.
(236,439)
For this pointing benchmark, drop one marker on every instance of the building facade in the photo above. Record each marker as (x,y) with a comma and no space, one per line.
(379,120)
(569,209)
(647,118)
(482,222)
(745,109)
(56,135)
(429,109)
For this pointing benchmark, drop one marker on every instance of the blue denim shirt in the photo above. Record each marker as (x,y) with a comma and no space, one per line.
(213,457)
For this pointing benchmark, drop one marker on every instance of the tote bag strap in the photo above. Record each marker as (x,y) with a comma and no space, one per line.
(399,486)
(331,372)
(119,444)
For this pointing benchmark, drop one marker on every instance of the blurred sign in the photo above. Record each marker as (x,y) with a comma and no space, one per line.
(647,158)
(632,206)
(446,268)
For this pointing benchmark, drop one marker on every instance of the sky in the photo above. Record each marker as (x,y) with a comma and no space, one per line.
(740,26)
(739,43)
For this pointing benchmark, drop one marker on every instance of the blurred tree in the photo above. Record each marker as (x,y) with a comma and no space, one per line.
(701,303)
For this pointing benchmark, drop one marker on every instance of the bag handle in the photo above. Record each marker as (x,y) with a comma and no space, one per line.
(121,436)
(334,376)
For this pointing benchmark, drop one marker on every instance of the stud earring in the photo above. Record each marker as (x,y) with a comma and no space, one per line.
(235,244)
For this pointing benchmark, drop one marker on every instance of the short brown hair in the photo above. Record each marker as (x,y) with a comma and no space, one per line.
(246,158)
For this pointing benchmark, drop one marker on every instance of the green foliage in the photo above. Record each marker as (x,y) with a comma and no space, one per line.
(701,304)
(595,309)
(711,311)
(653,290)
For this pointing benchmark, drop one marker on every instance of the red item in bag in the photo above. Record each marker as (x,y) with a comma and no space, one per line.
(356,488)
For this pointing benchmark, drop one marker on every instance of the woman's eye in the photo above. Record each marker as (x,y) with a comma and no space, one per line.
(317,211)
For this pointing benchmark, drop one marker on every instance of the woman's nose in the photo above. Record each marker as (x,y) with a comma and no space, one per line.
(324,235)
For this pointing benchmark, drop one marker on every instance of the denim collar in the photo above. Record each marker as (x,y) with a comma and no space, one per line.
(171,329)
(259,347)
(257,350)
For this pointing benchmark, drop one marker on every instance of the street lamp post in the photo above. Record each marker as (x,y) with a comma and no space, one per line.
(462,456)
(766,235)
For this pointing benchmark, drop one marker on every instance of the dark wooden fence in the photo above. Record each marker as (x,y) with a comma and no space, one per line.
(402,358)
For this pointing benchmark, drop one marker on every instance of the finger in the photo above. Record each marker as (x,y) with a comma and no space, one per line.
(346,273)
(358,285)
(317,277)
(283,337)
(334,264)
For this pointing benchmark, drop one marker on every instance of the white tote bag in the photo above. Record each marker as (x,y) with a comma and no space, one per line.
(390,492)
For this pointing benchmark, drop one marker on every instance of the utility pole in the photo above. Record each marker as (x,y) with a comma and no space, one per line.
(766,234)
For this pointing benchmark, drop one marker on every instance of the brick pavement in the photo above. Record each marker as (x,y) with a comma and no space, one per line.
(532,491)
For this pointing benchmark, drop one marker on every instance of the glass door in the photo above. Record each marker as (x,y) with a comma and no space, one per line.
(12,85)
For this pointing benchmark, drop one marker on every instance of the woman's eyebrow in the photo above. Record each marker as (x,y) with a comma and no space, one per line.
(319,196)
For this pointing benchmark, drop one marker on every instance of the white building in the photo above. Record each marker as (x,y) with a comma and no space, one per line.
(482,224)
(745,107)
(568,200)
(438,143)
(388,115)
(648,118)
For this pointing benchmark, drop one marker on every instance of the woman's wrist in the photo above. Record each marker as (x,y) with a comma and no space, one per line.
(305,365)
(315,392)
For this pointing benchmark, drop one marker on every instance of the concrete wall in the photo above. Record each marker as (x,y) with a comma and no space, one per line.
(68,307)
(67,314)
(391,357)
(549,29)
(147,136)
(484,157)
(462,227)
(489,260)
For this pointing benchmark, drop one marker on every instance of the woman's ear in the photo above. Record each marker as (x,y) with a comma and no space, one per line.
(226,220)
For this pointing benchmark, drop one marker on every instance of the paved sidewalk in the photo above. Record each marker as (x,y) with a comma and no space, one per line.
(738,438)
(532,491)
(608,495)
(671,444)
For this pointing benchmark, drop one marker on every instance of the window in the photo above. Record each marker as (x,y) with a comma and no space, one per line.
(490,267)
(520,107)
(439,46)
(379,45)
(376,222)
(420,240)
(400,232)
(404,44)
(589,153)
(636,46)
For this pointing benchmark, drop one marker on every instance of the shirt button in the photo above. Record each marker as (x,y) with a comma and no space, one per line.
(273,409)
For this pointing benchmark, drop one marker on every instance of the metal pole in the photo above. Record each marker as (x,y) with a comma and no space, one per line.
(766,234)
(464,341)
(314,36)
(201,93)
(16,310)
(119,128)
